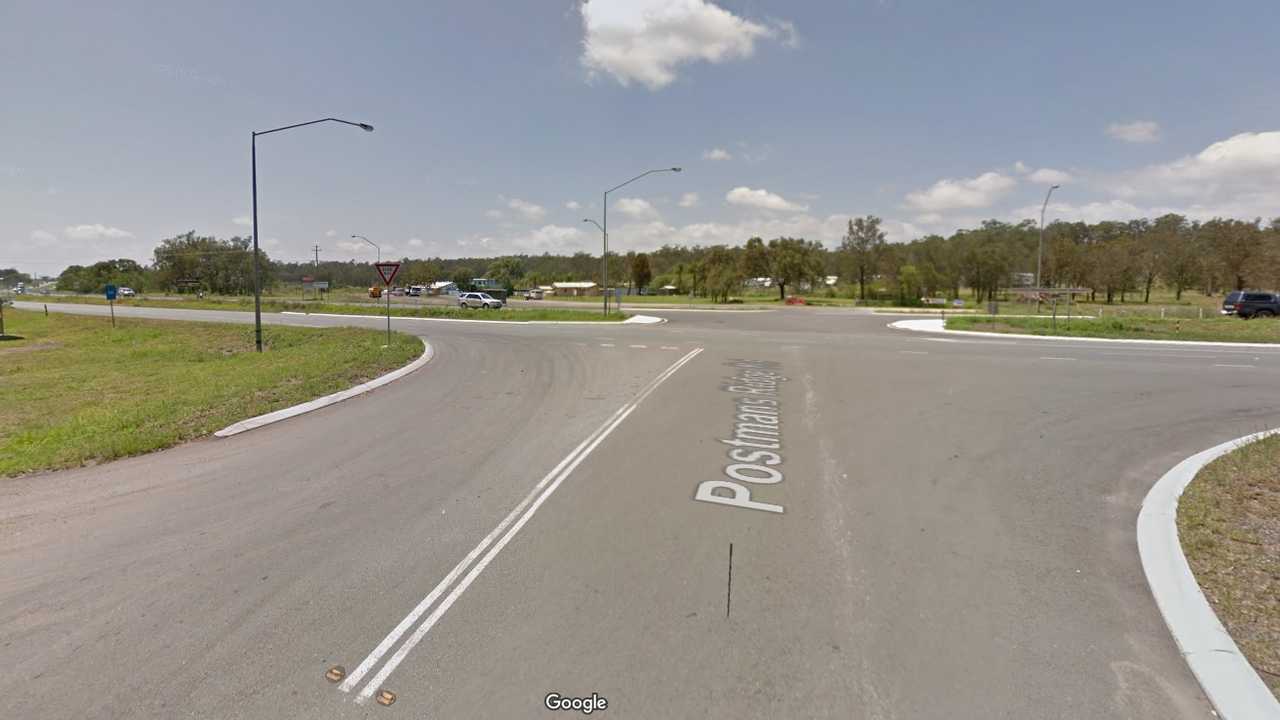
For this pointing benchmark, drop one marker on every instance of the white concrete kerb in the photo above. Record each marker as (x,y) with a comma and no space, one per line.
(306,407)
(1229,681)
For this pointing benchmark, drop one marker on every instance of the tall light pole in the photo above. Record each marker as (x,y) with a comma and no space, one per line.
(1040,247)
(604,230)
(253,151)
(374,244)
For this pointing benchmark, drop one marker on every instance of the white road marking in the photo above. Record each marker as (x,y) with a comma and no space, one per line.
(1232,366)
(639,347)
(914,352)
(607,345)
(1056,358)
(528,506)
(670,347)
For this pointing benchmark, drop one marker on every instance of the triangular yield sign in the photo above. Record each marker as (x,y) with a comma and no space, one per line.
(387,271)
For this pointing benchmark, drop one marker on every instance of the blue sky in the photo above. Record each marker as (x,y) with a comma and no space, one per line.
(499,123)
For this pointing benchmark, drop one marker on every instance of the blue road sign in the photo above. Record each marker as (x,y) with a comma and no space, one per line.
(111,292)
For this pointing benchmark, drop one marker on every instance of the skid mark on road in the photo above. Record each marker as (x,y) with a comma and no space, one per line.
(507,529)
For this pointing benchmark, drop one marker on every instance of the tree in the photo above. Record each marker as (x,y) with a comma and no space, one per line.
(220,266)
(11,276)
(1235,244)
(641,273)
(862,245)
(755,259)
(793,261)
(506,270)
(909,284)
(723,273)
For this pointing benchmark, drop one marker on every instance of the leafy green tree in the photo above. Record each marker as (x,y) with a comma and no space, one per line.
(863,245)
(793,261)
(755,259)
(641,272)
(909,284)
(506,270)
(723,273)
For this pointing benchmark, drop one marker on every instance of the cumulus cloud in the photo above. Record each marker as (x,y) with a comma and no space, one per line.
(716,154)
(763,199)
(96,231)
(951,194)
(531,212)
(1049,176)
(1139,131)
(573,205)
(688,200)
(415,242)
(43,237)
(242,220)
(636,208)
(646,41)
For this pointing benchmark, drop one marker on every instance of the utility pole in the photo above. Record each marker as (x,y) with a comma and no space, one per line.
(316,265)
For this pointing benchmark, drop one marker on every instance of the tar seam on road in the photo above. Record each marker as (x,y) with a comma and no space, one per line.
(728,595)
(511,525)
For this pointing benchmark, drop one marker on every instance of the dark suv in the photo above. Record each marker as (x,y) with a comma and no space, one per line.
(1230,301)
(1257,304)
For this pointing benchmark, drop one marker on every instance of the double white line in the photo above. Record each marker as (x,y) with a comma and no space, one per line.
(507,529)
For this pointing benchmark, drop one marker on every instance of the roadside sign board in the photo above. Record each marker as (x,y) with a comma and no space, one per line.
(111,292)
(387,271)
(320,285)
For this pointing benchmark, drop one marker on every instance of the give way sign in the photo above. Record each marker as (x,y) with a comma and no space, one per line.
(387,271)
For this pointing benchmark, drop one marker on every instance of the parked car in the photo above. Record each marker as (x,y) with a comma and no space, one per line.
(126,292)
(534,294)
(417,290)
(1258,304)
(1230,301)
(483,301)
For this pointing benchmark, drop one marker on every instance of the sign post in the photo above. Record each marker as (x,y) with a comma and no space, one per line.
(111,300)
(387,271)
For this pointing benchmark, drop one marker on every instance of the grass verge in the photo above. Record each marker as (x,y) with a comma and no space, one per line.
(1229,525)
(424,311)
(76,391)
(1219,329)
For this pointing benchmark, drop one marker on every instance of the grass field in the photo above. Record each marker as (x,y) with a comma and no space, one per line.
(1229,525)
(270,304)
(1221,329)
(76,391)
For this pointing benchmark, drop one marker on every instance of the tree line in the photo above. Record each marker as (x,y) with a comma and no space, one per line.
(1111,260)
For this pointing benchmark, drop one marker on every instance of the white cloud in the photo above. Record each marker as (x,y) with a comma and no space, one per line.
(636,208)
(1090,212)
(97,231)
(493,214)
(415,242)
(330,233)
(762,199)
(43,237)
(1139,131)
(716,154)
(688,200)
(242,220)
(1049,176)
(531,212)
(1021,168)
(645,41)
(949,194)
(573,205)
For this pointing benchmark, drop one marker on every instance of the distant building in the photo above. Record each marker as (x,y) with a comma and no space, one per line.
(1022,279)
(830,280)
(482,284)
(760,282)
(574,289)
(443,287)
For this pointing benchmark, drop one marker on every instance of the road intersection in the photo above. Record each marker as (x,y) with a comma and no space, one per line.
(521,517)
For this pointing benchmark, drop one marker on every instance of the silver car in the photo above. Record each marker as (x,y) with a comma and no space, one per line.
(483,301)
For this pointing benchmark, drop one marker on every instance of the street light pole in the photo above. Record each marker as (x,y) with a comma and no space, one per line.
(604,231)
(1040,247)
(374,244)
(253,151)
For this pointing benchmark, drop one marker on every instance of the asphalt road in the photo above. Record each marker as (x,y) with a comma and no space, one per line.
(520,517)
